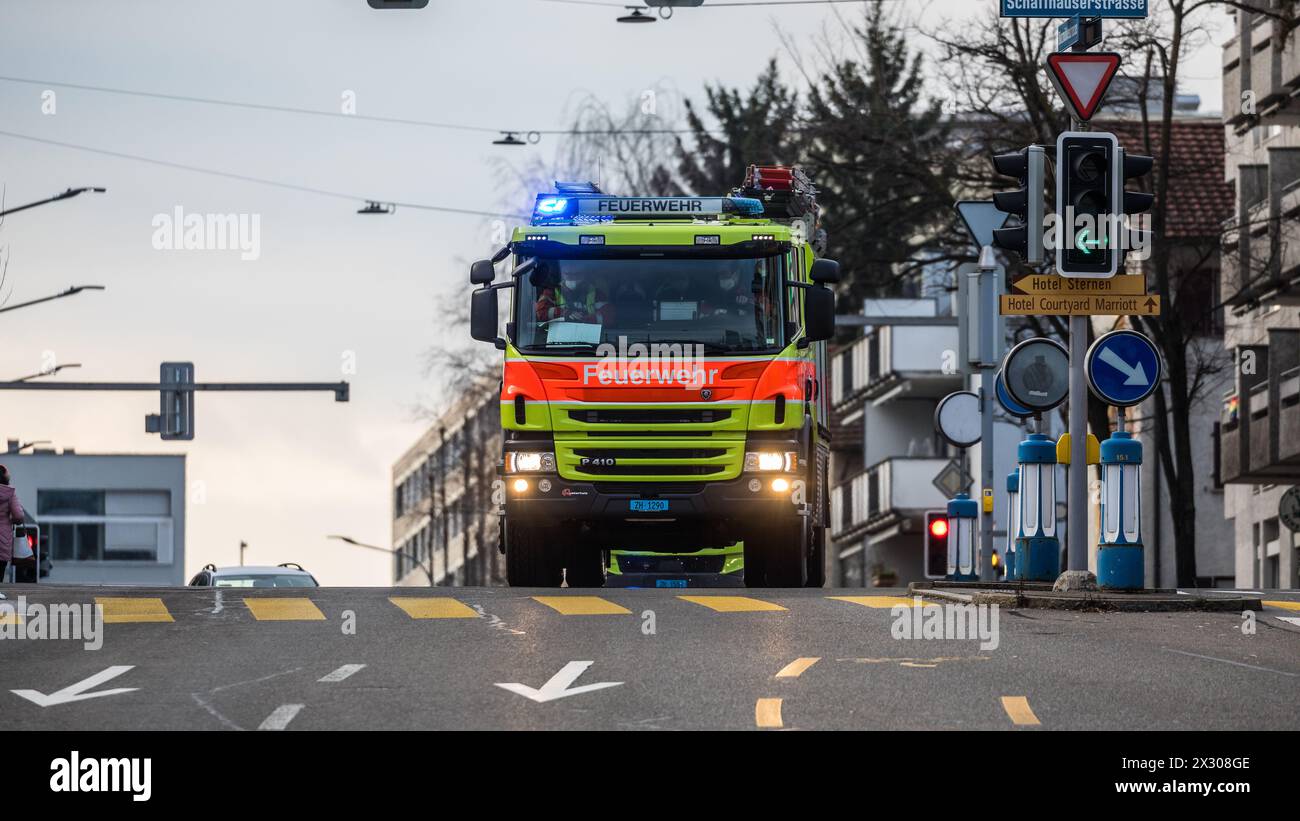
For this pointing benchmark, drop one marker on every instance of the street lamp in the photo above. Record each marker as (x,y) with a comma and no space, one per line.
(66,195)
(76,289)
(50,372)
(349,540)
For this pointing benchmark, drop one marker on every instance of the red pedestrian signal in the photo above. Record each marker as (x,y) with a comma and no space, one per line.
(936,544)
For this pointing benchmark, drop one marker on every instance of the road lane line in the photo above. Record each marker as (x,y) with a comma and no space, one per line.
(883,602)
(9,614)
(1285,605)
(341,673)
(118,610)
(1234,663)
(582,606)
(767,712)
(280,718)
(429,607)
(732,604)
(1292,620)
(295,608)
(1017,708)
(797,667)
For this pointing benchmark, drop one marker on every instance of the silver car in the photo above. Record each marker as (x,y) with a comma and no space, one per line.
(288,574)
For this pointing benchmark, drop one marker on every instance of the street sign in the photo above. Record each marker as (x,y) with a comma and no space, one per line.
(1037,374)
(1008,404)
(1081,78)
(981,220)
(958,418)
(1055,285)
(1079,33)
(1288,509)
(1074,8)
(1123,368)
(1082,305)
(952,480)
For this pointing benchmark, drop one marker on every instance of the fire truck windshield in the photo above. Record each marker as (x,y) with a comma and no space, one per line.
(722,304)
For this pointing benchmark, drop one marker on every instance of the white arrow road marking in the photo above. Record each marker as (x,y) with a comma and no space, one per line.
(1135,373)
(77,692)
(280,718)
(558,686)
(342,673)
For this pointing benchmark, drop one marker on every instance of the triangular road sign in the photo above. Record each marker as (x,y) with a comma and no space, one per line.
(981,218)
(1081,78)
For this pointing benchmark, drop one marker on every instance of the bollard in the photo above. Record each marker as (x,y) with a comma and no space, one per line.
(963,520)
(1013,522)
(1119,552)
(1038,550)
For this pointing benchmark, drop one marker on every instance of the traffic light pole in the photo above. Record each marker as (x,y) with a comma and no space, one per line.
(1076,511)
(990,327)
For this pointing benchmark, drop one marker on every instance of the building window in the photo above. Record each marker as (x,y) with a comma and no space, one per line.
(106,526)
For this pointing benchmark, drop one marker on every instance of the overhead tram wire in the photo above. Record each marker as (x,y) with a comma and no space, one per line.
(258,180)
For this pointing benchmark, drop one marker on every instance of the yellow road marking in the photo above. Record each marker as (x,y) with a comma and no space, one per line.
(1017,708)
(732,604)
(796,668)
(1285,605)
(883,602)
(767,712)
(582,606)
(118,609)
(296,608)
(10,615)
(428,607)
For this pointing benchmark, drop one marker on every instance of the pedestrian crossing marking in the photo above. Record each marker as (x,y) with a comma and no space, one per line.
(1294,621)
(732,604)
(582,606)
(296,608)
(884,602)
(767,713)
(1018,709)
(797,667)
(9,614)
(1285,605)
(429,607)
(118,610)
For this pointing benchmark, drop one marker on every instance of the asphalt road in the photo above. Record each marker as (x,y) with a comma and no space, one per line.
(336,658)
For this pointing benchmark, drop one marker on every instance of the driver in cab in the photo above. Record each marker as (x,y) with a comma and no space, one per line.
(735,297)
(567,297)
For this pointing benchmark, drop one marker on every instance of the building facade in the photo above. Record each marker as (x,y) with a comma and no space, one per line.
(1259,424)
(105,518)
(445,525)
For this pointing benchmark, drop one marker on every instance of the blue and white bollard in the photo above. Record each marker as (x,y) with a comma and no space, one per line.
(1038,550)
(963,519)
(1013,522)
(1119,553)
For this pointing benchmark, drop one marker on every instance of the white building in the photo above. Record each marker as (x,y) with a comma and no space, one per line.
(105,518)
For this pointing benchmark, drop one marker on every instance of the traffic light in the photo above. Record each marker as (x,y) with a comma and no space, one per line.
(1089,204)
(175,418)
(1029,166)
(1133,166)
(936,544)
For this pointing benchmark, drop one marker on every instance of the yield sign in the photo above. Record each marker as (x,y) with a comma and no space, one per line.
(1081,78)
(981,220)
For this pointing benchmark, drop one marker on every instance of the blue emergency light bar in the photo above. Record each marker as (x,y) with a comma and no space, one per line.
(576,209)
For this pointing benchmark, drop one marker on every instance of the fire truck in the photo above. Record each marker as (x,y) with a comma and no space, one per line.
(664,383)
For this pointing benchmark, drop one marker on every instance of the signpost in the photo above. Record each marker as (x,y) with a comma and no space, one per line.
(1087,305)
(1123,368)
(1082,78)
(1008,404)
(981,219)
(1078,33)
(1055,285)
(1037,374)
(1130,9)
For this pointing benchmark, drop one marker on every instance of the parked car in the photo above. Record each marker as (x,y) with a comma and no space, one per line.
(289,574)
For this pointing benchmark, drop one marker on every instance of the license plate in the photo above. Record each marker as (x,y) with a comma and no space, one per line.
(670,582)
(649,505)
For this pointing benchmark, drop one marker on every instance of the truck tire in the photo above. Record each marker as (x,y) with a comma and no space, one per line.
(531,557)
(782,554)
(816,557)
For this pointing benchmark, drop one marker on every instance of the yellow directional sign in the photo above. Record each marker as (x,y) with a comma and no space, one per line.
(1054,285)
(1083,305)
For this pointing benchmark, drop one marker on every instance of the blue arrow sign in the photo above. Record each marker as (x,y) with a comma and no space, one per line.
(1008,404)
(981,219)
(1123,368)
(1074,8)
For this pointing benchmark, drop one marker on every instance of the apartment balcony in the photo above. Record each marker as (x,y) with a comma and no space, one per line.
(1235,83)
(1260,423)
(1288,450)
(1252,64)
(889,497)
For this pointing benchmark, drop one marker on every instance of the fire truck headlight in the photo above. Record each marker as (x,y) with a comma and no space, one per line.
(780,485)
(521,485)
(766,461)
(530,462)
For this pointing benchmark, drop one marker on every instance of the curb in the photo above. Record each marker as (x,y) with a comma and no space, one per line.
(1145,602)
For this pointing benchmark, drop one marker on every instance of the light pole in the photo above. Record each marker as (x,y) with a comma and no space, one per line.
(75,289)
(50,372)
(66,195)
(349,540)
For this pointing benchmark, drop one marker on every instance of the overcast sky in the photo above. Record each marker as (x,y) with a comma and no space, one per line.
(329,288)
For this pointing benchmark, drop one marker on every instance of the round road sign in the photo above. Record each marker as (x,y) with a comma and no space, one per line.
(1036,374)
(958,418)
(1008,404)
(1123,368)
(1288,509)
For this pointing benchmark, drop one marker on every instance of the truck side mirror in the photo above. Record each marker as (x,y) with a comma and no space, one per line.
(825,272)
(819,314)
(482,272)
(483,315)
